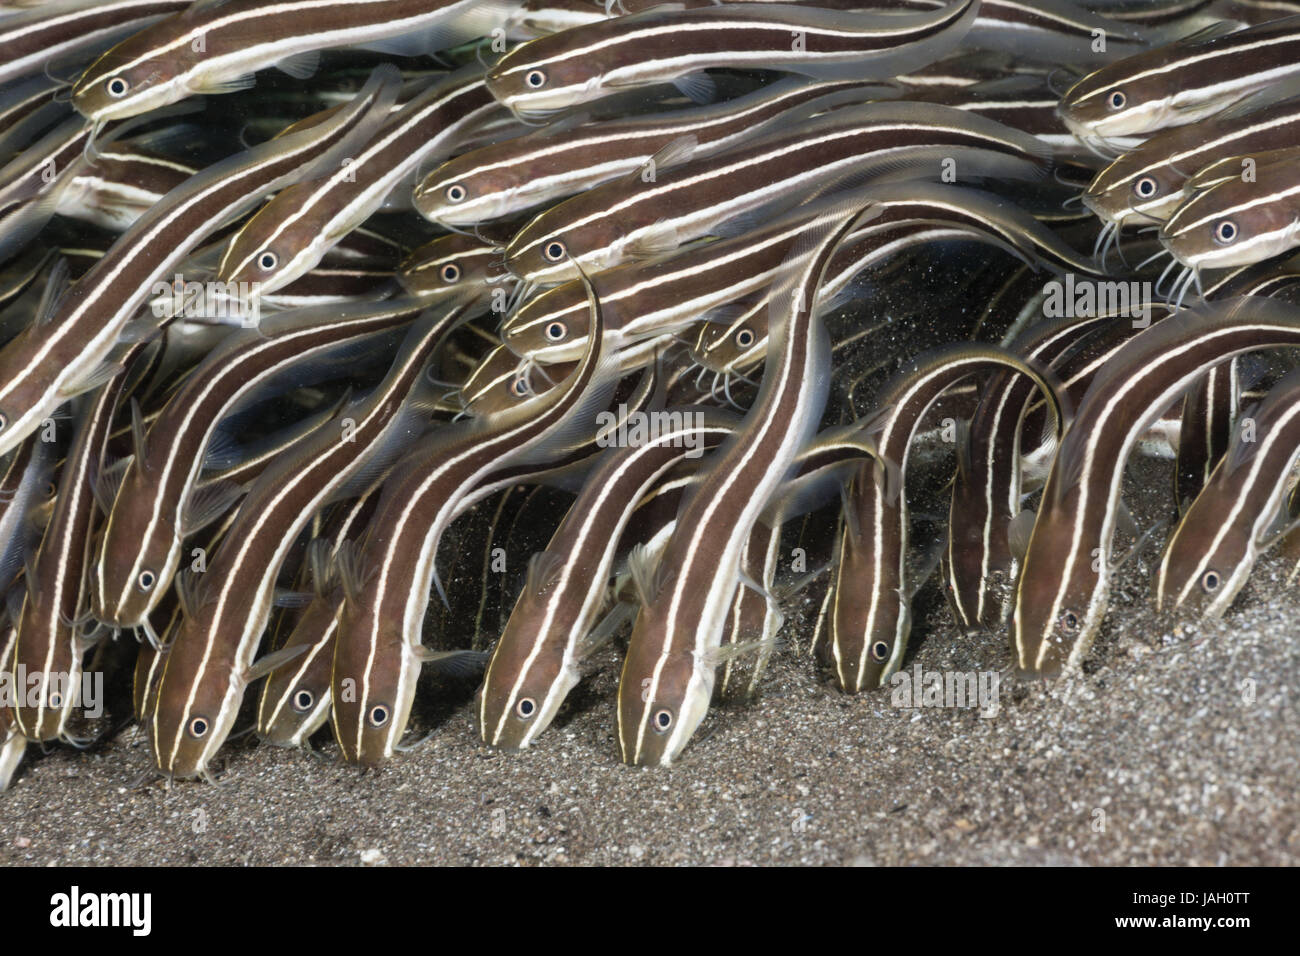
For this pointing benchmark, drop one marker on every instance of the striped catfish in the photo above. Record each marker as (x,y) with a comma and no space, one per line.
(671,292)
(503,380)
(1271,277)
(31,181)
(1147,184)
(1152,11)
(1205,431)
(754,619)
(1242,215)
(629,218)
(498,382)
(119,185)
(535,18)
(1051,31)
(529,171)
(292,232)
(149,662)
(327,284)
(538,18)
(159,503)
(735,345)
(1023,102)
(979,555)
(32,40)
(1222,534)
(242,465)
(454,262)
(379,650)
(669,44)
(1182,82)
(981,561)
(295,700)
(553,625)
(54,631)
(727,282)
(24,273)
(69,349)
(24,487)
(210,661)
(1065,582)
(870,614)
(27,109)
(165,621)
(670,668)
(214,46)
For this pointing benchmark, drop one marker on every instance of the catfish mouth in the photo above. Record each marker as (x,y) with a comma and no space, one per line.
(1093,201)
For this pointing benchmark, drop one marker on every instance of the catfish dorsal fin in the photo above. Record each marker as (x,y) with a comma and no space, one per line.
(963,449)
(463,663)
(852,528)
(730,652)
(138,437)
(1019,529)
(187,587)
(675,151)
(660,238)
(347,567)
(108,482)
(543,569)
(273,661)
(643,565)
(300,66)
(324,576)
(603,632)
(208,502)
(55,287)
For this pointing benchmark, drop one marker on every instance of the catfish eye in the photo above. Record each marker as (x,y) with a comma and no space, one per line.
(146,580)
(663,719)
(1069,621)
(535,79)
(56,700)
(745,338)
(303,700)
(556,331)
(1116,99)
(520,386)
(1225,232)
(553,250)
(526,708)
(1210,581)
(4,421)
(1145,187)
(267,261)
(456,193)
(880,651)
(378,715)
(198,727)
(450,272)
(117,87)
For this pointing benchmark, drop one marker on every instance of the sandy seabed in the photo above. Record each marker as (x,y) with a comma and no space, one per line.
(1162,752)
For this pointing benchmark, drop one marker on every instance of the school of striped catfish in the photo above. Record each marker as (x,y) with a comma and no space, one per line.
(360,352)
